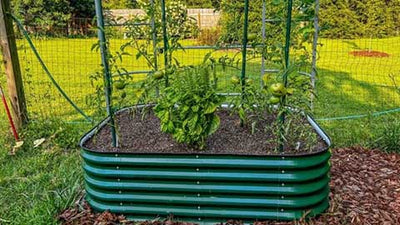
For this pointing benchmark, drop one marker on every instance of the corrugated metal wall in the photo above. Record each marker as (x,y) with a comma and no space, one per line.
(202,187)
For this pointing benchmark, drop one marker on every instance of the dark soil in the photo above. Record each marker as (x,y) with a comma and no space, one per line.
(139,135)
(372,54)
(365,189)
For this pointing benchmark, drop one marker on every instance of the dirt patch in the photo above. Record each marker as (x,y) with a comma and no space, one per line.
(144,136)
(365,189)
(372,54)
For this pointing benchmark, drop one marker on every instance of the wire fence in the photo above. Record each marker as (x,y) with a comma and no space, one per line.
(356,78)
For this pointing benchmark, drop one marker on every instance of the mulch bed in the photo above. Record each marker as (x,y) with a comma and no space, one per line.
(365,189)
(137,135)
(372,54)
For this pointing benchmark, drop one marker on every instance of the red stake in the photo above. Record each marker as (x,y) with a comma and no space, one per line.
(9,115)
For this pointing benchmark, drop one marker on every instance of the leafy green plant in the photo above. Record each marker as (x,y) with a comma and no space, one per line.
(187,108)
(256,104)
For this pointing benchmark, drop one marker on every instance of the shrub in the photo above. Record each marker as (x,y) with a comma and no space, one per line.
(187,107)
(338,19)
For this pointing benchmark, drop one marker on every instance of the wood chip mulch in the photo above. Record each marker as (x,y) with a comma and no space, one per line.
(365,189)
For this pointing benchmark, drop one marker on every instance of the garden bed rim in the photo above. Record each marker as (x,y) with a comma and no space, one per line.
(320,131)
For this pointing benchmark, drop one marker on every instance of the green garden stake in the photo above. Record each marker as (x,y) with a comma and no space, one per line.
(165,37)
(154,39)
(107,74)
(244,49)
(286,67)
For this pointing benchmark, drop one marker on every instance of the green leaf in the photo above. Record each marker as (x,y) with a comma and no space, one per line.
(214,125)
(195,108)
(193,121)
(165,118)
(211,108)
(198,130)
(170,127)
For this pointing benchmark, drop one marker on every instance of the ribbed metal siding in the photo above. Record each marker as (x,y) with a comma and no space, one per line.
(208,187)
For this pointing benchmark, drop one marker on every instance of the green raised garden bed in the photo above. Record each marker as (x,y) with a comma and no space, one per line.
(205,187)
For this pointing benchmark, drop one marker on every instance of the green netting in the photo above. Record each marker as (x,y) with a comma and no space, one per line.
(348,84)
(355,77)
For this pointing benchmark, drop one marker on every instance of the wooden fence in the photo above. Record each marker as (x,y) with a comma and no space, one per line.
(206,18)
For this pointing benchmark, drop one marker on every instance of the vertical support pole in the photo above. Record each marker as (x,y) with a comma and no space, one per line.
(263,33)
(287,62)
(244,50)
(314,52)
(11,65)
(244,47)
(154,37)
(287,40)
(165,37)
(107,74)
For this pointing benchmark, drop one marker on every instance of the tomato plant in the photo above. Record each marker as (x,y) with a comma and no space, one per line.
(118,85)
(179,26)
(187,108)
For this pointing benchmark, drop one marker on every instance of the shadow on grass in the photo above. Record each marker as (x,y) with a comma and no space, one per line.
(339,94)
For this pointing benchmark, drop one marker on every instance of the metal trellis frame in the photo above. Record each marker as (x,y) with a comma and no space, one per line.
(244,45)
(108,76)
(314,51)
(107,72)
(165,36)
(315,20)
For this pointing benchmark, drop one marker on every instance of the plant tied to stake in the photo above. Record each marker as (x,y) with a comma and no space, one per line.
(187,108)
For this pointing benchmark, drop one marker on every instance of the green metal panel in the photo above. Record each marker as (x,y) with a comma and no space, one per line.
(207,174)
(208,212)
(201,187)
(204,161)
(206,186)
(208,199)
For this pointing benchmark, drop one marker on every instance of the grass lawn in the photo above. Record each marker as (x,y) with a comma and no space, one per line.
(39,182)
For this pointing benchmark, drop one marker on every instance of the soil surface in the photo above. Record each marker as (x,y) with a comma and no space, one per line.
(372,54)
(365,189)
(138,135)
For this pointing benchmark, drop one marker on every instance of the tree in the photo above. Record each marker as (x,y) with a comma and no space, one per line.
(82,8)
(42,12)
(359,18)
(198,3)
(120,4)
